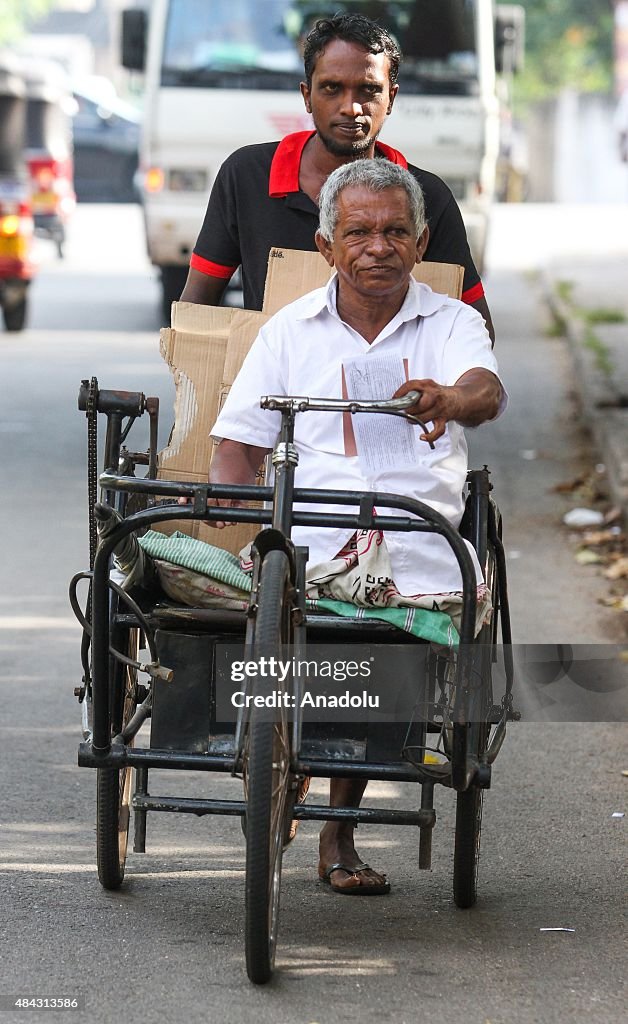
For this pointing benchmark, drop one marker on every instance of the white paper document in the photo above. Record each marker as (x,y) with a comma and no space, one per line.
(382,441)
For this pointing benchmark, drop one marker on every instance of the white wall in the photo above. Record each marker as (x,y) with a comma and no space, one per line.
(573,153)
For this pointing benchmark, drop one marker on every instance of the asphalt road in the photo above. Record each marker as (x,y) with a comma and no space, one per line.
(169,945)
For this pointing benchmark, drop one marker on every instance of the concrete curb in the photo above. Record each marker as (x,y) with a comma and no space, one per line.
(608,422)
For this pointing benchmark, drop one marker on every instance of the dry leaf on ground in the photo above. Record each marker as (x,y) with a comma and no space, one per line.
(618,570)
(587,557)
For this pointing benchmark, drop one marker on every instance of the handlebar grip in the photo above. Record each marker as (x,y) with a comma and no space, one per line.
(410,398)
(127,403)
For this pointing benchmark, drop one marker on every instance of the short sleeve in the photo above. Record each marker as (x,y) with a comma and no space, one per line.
(468,347)
(219,237)
(448,237)
(448,244)
(241,418)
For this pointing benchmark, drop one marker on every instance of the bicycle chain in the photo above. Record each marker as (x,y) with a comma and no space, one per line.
(91,413)
(92,466)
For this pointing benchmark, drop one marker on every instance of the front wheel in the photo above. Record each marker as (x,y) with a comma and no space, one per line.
(469,802)
(467,846)
(267,775)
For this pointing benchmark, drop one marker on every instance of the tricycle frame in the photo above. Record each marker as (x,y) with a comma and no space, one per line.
(467,773)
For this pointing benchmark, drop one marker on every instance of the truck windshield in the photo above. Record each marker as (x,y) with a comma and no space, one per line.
(257,44)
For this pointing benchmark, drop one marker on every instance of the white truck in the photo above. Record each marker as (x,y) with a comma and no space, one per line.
(220,74)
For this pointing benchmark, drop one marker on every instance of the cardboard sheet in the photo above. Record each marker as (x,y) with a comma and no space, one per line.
(291,273)
(204,350)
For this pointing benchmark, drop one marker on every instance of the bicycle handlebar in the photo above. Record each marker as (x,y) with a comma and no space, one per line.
(301,403)
(390,406)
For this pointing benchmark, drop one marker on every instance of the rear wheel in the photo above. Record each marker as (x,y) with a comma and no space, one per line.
(268,779)
(113,785)
(15,316)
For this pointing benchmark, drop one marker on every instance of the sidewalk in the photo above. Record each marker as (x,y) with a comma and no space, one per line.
(585,297)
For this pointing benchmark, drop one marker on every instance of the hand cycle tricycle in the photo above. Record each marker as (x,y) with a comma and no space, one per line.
(452,736)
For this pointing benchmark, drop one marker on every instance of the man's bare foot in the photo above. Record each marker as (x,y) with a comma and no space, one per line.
(336,847)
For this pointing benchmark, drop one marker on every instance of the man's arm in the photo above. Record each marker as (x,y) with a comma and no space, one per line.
(216,254)
(203,289)
(473,399)
(234,463)
(482,307)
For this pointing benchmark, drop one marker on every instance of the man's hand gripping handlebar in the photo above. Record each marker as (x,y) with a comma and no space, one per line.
(389,406)
(239,465)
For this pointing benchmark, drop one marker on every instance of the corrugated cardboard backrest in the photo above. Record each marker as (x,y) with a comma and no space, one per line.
(292,273)
(205,348)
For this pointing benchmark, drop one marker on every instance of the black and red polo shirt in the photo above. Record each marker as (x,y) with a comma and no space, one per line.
(256,205)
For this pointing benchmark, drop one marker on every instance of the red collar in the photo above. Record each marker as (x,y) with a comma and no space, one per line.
(284,169)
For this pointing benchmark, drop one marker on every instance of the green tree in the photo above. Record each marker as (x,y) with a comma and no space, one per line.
(568,43)
(16,15)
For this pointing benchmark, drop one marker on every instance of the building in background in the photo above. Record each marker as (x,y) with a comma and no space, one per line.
(83,35)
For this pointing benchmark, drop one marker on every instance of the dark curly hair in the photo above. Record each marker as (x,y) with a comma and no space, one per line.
(351,28)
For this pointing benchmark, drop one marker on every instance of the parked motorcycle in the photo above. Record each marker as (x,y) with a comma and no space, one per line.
(49,148)
(16,220)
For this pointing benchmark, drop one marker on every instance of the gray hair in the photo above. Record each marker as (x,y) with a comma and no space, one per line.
(375,175)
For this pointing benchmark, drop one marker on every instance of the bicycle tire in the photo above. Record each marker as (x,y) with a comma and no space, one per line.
(467,846)
(113,785)
(267,771)
(469,802)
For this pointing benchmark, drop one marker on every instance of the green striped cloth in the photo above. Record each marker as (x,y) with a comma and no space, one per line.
(421,622)
(196,555)
(224,567)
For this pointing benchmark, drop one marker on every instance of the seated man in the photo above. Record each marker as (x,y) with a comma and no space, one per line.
(374,322)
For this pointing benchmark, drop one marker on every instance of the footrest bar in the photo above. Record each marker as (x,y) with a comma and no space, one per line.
(188,805)
(120,756)
(366,815)
(400,772)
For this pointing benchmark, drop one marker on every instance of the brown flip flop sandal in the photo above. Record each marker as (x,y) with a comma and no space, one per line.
(354,890)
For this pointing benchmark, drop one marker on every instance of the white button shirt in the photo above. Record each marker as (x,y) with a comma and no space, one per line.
(300,351)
